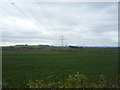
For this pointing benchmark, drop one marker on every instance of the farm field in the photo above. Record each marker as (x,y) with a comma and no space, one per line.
(20,66)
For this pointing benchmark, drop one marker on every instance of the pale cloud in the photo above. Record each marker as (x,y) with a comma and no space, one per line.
(44,23)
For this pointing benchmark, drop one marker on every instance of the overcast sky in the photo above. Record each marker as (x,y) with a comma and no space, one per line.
(88,24)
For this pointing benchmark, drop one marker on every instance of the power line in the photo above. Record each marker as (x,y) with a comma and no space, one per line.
(34,16)
(25,15)
(45,12)
(12,15)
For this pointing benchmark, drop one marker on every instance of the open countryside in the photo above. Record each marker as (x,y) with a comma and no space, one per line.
(20,66)
(64,44)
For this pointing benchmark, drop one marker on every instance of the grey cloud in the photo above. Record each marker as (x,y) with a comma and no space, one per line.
(79,23)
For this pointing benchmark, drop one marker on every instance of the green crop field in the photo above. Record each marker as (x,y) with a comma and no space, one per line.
(20,66)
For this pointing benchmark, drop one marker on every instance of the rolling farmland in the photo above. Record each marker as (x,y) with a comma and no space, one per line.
(20,66)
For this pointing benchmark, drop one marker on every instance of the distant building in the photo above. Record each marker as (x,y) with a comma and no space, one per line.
(43,45)
(75,46)
(22,45)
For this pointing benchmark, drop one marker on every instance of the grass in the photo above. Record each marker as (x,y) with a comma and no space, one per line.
(21,66)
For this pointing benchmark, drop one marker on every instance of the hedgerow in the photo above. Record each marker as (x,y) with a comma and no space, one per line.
(76,81)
